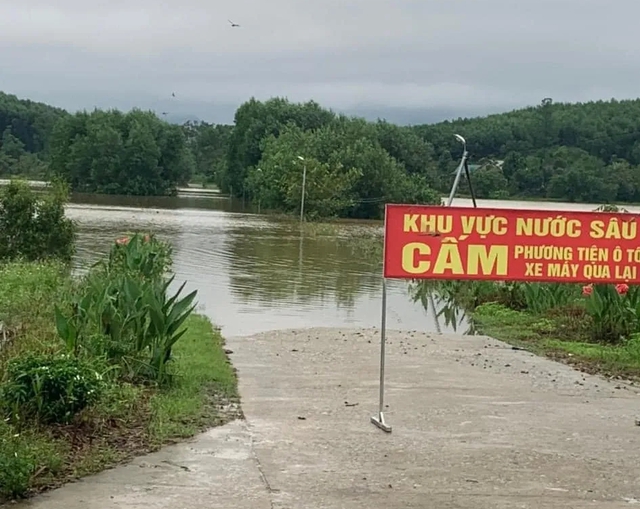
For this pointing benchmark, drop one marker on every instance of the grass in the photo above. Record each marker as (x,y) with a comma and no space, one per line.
(205,382)
(560,337)
(129,419)
(26,290)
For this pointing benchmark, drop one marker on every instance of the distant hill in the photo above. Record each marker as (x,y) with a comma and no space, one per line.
(27,121)
(415,116)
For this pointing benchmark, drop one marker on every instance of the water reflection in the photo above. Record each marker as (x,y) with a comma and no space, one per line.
(444,311)
(214,202)
(285,267)
(255,273)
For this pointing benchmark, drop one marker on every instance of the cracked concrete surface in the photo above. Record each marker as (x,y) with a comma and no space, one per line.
(476,424)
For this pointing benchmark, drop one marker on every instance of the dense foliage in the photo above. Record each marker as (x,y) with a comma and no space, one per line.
(110,152)
(48,389)
(208,144)
(586,152)
(575,152)
(71,343)
(33,225)
(353,167)
(122,311)
(25,130)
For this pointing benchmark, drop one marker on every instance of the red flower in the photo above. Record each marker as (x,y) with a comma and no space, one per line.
(622,288)
(587,290)
(122,241)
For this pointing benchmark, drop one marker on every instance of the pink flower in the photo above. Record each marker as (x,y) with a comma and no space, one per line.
(587,290)
(147,238)
(622,288)
(122,241)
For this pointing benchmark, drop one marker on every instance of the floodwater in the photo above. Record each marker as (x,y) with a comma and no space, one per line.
(256,273)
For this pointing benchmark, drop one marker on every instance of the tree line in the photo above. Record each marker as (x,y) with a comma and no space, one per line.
(588,152)
(582,152)
(25,131)
(111,152)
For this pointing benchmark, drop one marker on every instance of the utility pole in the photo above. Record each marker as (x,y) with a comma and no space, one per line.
(463,166)
(460,169)
(259,170)
(304,185)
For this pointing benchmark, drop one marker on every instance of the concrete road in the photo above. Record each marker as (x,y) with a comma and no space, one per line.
(476,424)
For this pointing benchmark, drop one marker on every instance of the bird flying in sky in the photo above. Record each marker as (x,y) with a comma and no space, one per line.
(233,24)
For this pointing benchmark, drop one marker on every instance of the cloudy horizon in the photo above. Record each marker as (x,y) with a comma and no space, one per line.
(408,61)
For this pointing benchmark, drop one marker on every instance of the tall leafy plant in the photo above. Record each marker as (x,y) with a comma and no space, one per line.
(542,297)
(614,310)
(124,312)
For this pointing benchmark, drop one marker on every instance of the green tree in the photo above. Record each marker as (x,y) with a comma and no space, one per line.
(277,182)
(208,144)
(348,173)
(110,152)
(141,157)
(584,151)
(29,122)
(33,226)
(10,145)
(546,146)
(489,182)
(578,176)
(254,122)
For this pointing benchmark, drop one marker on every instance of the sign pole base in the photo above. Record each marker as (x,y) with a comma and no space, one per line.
(378,420)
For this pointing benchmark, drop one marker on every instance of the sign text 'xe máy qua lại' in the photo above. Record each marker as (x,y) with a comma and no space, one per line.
(431,242)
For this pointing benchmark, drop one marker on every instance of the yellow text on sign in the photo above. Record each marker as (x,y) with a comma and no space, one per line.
(486,260)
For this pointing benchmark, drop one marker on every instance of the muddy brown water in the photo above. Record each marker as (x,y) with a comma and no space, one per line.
(256,273)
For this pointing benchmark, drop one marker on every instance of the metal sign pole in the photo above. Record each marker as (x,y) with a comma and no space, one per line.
(435,313)
(456,182)
(379,419)
(468,174)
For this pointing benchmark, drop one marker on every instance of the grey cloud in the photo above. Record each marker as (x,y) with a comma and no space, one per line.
(353,55)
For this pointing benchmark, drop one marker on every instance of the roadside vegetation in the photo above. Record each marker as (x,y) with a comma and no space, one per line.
(595,327)
(98,368)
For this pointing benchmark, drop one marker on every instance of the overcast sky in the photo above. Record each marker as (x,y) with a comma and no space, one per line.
(407,60)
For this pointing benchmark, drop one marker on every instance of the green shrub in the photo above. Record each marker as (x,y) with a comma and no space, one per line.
(124,313)
(49,389)
(496,310)
(614,311)
(541,297)
(537,298)
(33,225)
(140,256)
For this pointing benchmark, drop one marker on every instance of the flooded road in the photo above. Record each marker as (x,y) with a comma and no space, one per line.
(256,273)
